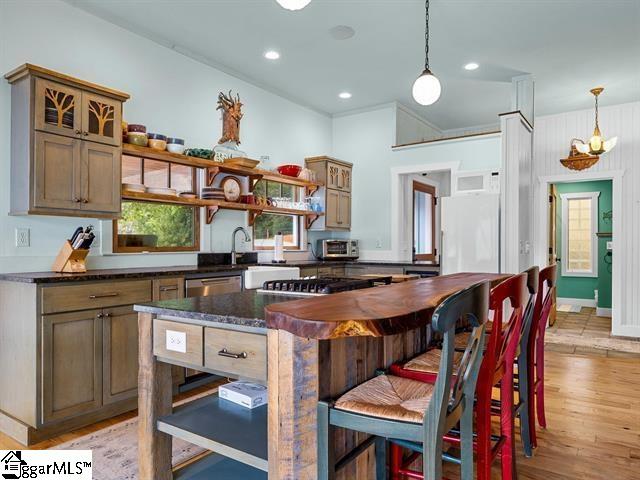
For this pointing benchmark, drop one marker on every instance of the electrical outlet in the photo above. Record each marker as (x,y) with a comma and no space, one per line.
(23,237)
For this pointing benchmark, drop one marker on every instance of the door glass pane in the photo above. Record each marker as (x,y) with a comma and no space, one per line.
(423,223)
(58,108)
(579,236)
(101,116)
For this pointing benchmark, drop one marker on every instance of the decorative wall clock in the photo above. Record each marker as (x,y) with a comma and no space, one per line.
(232,189)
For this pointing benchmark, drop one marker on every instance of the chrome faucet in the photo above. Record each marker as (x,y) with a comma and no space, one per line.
(247,238)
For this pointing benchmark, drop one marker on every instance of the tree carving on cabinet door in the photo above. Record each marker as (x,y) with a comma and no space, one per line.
(60,103)
(333,176)
(101,118)
(346,177)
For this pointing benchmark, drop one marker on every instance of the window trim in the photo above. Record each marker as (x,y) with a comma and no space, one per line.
(299,220)
(565,197)
(115,248)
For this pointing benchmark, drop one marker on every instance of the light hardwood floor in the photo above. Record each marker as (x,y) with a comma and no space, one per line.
(593,414)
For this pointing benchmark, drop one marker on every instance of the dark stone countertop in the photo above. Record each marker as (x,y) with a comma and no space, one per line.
(132,273)
(244,309)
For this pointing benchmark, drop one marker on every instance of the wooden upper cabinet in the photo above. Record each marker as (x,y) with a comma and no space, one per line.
(338,179)
(56,172)
(101,119)
(65,145)
(100,177)
(57,108)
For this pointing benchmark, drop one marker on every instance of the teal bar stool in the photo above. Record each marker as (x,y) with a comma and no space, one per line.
(404,410)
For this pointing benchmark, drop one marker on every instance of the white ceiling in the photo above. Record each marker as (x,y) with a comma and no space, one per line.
(569,45)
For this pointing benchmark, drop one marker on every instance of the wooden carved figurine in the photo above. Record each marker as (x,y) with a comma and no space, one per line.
(231,115)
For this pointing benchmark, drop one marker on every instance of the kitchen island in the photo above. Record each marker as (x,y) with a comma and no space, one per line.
(312,348)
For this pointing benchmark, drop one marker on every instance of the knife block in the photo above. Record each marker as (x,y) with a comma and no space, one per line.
(70,260)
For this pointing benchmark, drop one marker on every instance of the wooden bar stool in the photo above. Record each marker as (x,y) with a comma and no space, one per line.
(535,350)
(390,407)
(497,370)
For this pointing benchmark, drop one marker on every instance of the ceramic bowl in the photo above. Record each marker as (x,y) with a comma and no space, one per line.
(289,170)
(175,140)
(157,144)
(175,148)
(156,136)
(139,139)
(133,127)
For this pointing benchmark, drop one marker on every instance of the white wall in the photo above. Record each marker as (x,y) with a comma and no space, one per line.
(170,93)
(551,143)
(365,139)
(411,128)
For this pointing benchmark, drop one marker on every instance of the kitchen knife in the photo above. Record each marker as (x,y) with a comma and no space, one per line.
(75,235)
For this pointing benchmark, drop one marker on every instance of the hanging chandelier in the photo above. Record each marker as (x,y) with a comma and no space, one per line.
(597,145)
(293,4)
(426,89)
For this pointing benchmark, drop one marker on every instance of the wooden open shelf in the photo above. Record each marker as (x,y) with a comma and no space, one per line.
(215,168)
(214,205)
(164,156)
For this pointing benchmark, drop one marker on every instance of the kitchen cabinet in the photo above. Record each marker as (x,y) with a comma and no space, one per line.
(66,144)
(337,177)
(72,364)
(168,289)
(119,354)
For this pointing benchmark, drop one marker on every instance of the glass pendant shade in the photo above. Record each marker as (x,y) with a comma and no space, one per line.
(597,145)
(426,88)
(293,4)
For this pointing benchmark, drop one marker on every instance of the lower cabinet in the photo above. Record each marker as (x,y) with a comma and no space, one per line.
(71,364)
(119,354)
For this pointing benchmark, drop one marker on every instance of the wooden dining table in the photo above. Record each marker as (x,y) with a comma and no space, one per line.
(321,347)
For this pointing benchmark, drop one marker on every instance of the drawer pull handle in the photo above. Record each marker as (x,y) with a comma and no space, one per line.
(225,353)
(103,295)
(216,280)
(168,289)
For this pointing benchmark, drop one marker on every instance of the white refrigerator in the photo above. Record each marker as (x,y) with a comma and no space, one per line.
(470,239)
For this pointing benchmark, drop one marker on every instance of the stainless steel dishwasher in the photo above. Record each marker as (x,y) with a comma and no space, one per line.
(200,287)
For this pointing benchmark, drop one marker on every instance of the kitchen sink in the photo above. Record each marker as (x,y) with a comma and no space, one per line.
(254,277)
(243,258)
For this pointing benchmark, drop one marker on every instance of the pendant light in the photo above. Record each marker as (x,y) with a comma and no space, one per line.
(293,4)
(426,89)
(597,144)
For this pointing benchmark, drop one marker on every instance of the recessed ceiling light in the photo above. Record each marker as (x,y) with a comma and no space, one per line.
(341,32)
(471,66)
(271,55)
(344,95)
(293,4)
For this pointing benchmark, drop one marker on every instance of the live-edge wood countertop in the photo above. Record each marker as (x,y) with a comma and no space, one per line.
(380,311)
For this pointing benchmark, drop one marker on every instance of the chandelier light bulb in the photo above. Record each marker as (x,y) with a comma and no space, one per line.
(426,88)
(293,4)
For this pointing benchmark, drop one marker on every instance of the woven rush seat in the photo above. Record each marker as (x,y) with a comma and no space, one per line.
(429,361)
(388,396)
(462,339)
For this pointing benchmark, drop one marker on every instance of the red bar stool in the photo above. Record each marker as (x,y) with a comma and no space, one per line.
(497,370)
(535,350)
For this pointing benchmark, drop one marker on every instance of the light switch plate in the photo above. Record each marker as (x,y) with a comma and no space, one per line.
(609,245)
(23,237)
(176,341)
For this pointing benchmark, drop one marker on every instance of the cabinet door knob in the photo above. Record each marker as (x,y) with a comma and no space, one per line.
(76,199)
(84,200)
(78,132)
(86,134)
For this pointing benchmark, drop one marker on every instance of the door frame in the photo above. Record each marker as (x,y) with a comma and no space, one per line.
(397,202)
(431,190)
(619,248)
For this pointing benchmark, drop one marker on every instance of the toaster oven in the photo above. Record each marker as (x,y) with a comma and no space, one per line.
(329,249)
